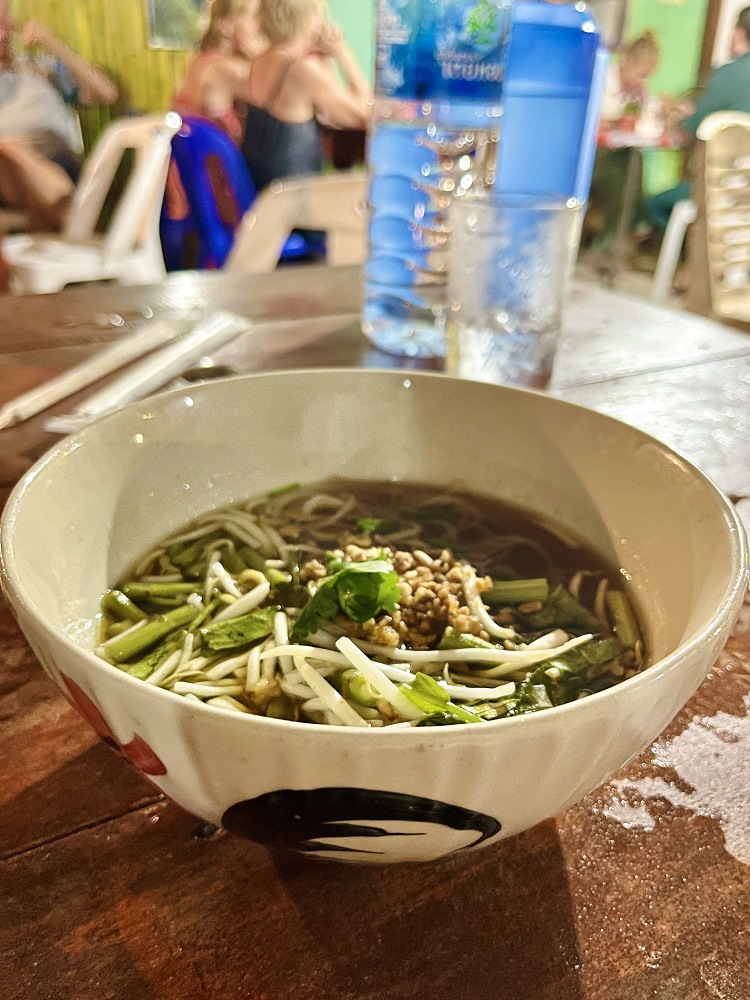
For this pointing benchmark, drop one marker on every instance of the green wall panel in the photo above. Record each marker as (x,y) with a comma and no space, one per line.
(357,19)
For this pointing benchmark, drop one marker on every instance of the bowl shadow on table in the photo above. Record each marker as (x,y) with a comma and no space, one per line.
(393,930)
(496,924)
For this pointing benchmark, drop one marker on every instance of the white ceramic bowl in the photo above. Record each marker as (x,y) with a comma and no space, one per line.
(96,502)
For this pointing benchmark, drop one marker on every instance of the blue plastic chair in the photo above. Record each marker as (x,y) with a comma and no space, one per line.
(194,147)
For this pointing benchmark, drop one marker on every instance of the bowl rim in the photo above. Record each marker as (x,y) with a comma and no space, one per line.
(724,616)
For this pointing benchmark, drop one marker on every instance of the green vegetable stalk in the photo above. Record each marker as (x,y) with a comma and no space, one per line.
(451,639)
(622,618)
(516,592)
(562,610)
(356,688)
(236,634)
(143,668)
(127,647)
(121,606)
(158,593)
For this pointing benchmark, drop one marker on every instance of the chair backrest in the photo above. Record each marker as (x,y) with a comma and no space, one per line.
(136,216)
(93,119)
(725,203)
(215,178)
(333,203)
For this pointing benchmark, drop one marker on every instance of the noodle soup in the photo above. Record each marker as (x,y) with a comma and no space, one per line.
(373,605)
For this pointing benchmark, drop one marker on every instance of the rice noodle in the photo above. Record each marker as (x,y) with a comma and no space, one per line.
(216,569)
(512,658)
(227,667)
(281,637)
(249,532)
(253,670)
(168,667)
(374,675)
(310,522)
(245,602)
(227,702)
(478,609)
(328,694)
(187,649)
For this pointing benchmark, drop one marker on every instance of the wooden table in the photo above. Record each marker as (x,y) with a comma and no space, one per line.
(626,140)
(642,890)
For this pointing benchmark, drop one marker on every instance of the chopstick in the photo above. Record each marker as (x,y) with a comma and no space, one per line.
(143,340)
(153,372)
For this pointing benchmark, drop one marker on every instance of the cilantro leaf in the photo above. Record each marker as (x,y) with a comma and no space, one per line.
(361,590)
(323,604)
(358,595)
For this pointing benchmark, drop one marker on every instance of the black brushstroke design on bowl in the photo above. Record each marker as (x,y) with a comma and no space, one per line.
(304,819)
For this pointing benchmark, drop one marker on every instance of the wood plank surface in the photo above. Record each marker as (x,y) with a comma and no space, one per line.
(581,907)
(641,890)
(57,776)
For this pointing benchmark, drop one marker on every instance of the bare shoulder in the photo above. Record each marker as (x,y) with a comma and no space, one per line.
(228,68)
(310,70)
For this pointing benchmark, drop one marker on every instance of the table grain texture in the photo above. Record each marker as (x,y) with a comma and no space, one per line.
(108,890)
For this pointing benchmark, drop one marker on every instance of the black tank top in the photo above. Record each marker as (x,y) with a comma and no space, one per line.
(274,149)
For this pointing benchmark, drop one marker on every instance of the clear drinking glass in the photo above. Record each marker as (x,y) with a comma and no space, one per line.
(510,262)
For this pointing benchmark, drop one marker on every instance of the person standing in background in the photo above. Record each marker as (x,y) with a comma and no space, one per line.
(728,89)
(625,92)
(292,88)
(231,41)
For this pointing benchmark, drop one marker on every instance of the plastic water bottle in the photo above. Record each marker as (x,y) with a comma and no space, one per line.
(554,79)
(439,74)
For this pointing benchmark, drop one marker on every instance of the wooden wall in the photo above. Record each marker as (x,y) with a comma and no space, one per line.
(113,34)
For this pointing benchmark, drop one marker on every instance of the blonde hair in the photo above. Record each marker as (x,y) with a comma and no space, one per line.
(215,12)
(281,20)
(644,48)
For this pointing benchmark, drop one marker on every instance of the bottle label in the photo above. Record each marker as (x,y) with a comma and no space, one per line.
(441,49)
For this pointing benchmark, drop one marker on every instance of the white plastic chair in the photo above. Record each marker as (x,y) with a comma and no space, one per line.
(333,203)
(682,215)
(726,205)
(129,251)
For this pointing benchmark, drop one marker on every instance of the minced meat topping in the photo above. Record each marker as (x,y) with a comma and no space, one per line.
(432,596)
